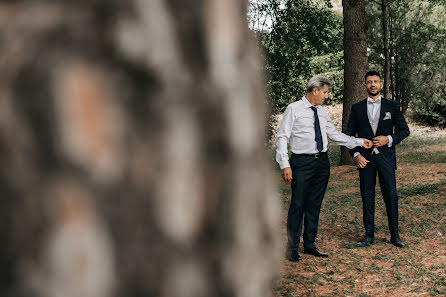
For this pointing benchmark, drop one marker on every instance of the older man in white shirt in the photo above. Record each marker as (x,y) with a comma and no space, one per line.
(306,126)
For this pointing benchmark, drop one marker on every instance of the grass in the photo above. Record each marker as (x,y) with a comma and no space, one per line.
(381,269)
(423,157)
(420,140)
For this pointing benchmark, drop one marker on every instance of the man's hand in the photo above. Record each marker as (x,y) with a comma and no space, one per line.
(361,162)
(287,174)
(380,141)
(367,143)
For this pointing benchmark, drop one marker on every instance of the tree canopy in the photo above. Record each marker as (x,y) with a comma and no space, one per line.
(301,38)
(305,38)
(418,55)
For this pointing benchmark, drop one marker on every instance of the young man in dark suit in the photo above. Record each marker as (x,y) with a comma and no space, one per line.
(380,120)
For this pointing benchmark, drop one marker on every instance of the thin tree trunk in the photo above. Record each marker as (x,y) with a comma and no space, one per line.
(132,151)
(392,64)
(386,41)
(405,97)
(397,81)
(355,57)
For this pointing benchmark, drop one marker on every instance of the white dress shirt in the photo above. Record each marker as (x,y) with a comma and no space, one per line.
(372,105)
(372,108)
(298,128)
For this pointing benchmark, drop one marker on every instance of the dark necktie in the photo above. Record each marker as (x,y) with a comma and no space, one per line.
(317,130)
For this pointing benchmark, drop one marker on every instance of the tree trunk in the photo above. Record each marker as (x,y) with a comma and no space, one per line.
(132,151)
(386,41)
(392,64)
(355,58)
(397,81)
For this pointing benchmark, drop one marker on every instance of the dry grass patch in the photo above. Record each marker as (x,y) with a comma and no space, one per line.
(425,173)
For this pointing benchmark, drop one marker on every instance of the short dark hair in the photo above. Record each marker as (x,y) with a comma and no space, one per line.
(371,73)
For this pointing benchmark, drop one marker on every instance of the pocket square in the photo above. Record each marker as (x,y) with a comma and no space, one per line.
(387,116)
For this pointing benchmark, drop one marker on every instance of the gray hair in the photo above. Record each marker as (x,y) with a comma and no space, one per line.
(317,81)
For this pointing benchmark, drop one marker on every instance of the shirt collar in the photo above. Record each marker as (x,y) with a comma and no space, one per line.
(370,100)
(306,102)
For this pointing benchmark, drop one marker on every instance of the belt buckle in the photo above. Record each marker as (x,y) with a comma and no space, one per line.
(317,155)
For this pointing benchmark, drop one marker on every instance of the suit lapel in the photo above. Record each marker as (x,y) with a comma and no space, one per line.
(381,114)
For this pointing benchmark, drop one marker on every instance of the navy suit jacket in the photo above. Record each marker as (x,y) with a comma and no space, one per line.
(391,122)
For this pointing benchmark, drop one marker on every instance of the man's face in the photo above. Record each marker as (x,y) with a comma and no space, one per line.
(320,95)
(373,84)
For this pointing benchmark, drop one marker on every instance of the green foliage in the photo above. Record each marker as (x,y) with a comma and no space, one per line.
(331,66)
(298,39)
(305,39)
(418,55)
(430,110)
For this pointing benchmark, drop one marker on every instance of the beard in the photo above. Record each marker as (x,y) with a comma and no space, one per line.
(372,94)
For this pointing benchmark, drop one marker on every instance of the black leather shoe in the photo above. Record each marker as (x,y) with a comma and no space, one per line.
(315,252)
(398,242)
(293,256)
(366,241)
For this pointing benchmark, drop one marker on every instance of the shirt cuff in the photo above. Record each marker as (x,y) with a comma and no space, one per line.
(284,164)
(356,154)
(390,141)
(359,141)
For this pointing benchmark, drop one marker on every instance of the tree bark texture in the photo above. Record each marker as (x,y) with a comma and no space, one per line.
(355,58)
(131,138)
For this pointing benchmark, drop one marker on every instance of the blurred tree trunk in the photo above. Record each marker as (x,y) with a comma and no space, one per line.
(355,58)
(131,144)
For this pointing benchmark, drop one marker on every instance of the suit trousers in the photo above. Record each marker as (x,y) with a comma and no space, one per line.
(386,174)
(310,179)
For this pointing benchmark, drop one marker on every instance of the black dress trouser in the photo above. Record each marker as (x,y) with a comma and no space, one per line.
(310,179)
(386,174)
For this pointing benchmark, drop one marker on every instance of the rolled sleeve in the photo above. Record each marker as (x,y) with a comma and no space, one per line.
(341,138)
(283,135)
(283,160)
